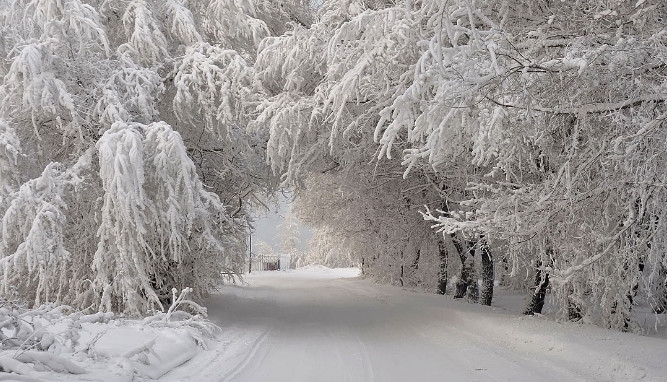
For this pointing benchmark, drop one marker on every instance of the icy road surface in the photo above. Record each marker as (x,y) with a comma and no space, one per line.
(325,325)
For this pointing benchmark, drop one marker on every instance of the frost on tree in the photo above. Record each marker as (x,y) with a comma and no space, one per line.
(106,164)
(155,219)
(565,130)
(324,96)
(544,121)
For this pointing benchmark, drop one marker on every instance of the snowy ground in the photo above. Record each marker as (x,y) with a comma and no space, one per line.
(320,324)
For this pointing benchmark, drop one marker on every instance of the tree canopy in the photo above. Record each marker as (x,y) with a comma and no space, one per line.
(524,137)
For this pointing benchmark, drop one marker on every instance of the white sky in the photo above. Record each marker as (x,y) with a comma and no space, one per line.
(266,227)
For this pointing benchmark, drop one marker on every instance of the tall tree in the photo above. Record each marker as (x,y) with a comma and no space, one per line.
(126,168)
(548,99)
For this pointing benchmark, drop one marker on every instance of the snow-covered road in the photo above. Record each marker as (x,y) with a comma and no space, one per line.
(316,326)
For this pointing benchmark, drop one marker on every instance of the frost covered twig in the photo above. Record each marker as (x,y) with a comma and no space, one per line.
(178,300)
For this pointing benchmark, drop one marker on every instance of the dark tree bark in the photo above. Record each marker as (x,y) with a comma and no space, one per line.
(536,302)
(473,288)
(573,309)
(660,304)
(464,279)
(442,271)
(486,295)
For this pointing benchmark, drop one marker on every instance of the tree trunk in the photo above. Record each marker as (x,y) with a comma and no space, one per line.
(536,302)
(464,278)
(442,272)
(415,262)
(410,276)
(473,288)
(486,295)
(573,308)
(660,304)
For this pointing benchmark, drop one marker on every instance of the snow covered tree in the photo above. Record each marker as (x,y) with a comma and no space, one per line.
(326,93)
(559,104)
(543,118)
(288,234)
(263,248)
(138,134)
(325,249)
(126,167)
(375,221)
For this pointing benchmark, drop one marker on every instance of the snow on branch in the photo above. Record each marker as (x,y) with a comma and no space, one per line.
(34,257)
(176,187)
(182,22)
(131,92)
(10,149)
(32,84)
(211,84)
(70,20)
(452,222)
(593,108)
(144,33)
(234,22)
(123,230)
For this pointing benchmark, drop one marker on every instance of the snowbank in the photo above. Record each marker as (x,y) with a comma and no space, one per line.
(307,272)
(55,344)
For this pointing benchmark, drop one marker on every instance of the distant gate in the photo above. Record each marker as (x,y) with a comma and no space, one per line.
(270,262)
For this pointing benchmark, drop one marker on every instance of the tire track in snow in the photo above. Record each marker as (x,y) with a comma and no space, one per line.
(369,373)
(346,343)
(206,366)
(241,366)
(339,352)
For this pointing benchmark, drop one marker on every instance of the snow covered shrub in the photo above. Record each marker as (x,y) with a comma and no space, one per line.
(187,314)
(40,337)
(58,339)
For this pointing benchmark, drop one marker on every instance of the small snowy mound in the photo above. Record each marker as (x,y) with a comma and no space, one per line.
(56,343)
(321,271)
